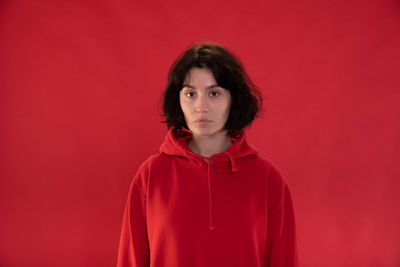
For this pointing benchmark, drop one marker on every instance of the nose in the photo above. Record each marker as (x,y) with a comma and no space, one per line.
(201,104)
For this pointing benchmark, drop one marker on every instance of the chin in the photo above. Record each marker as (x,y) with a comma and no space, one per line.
(205,131)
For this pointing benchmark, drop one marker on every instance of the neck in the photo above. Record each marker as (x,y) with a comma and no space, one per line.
(207,146)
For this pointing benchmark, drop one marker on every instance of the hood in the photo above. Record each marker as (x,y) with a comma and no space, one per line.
(176,144)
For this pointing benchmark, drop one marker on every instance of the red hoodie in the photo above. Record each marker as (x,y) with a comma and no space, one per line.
(234,210)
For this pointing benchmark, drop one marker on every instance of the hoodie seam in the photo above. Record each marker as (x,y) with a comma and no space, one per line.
(221,165)
(181,159)
(135,184)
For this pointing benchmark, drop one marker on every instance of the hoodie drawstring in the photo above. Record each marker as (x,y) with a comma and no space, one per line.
(211,227)
(176,144)
(234,166)
(234,169)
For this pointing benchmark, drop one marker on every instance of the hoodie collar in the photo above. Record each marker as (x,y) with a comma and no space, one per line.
(176,144)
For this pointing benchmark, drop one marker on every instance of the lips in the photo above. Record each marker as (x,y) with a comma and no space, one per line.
(202,120)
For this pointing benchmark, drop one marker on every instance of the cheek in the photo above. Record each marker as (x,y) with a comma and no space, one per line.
(223,111)
(227,113)
(184,107)
(228,106)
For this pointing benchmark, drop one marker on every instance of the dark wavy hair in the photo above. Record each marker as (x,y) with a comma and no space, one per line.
(228,72)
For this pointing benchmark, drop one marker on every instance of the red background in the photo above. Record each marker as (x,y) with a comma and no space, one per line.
(81,80)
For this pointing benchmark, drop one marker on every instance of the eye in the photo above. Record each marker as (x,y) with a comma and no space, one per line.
(215,93)
(189,94)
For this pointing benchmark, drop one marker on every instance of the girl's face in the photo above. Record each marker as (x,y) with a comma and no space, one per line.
(204,103)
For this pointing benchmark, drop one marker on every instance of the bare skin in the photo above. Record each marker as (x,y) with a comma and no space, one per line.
(206,106)
(210,145)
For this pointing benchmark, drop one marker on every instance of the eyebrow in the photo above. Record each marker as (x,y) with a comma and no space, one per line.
(209,87)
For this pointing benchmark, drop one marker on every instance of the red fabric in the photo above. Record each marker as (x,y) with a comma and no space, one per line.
(232,210)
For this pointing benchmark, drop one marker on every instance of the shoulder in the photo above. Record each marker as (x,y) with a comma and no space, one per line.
(152,163)
(262,163)
(270,170)
(276,184)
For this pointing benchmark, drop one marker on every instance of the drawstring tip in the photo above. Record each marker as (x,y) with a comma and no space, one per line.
(235,169)
(212,228)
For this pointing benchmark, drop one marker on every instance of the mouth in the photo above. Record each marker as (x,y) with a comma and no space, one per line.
(202,120)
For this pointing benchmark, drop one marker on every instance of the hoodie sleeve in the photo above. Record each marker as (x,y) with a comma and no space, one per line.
(281,246)
(133,246)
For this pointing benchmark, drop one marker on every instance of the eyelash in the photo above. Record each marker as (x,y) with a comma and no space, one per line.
(218,93)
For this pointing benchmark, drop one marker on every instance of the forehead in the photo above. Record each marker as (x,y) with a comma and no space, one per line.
(198,75)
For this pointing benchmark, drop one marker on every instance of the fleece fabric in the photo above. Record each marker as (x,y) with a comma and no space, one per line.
(230,209)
